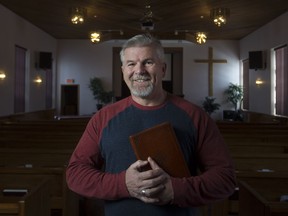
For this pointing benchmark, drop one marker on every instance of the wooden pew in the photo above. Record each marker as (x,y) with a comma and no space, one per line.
(259,151)
(35,202)
(61,198)
(262,197)
(250,138)
(254,117)
(41,134)
(260,161)
(64,140)
(47,114)
(232,203)
(36,158)
(45,146)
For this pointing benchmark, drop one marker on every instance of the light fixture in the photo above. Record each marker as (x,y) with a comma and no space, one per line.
(259,82)
(2,75)
(198,36)
(219,15)
(38,80)
(78,15)
(95,37)
(201,37)
(147,21)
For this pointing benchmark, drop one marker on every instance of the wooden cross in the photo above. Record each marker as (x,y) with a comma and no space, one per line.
(210,62)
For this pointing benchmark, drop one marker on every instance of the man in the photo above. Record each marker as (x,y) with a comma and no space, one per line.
(104,165)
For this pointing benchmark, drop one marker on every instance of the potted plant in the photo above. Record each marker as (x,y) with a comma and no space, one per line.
(234,95)
(100,95)
(209,105)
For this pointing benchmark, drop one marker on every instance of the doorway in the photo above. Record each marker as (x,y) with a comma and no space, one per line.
(69,100)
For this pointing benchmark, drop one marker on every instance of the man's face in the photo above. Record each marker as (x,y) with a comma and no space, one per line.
(143,71)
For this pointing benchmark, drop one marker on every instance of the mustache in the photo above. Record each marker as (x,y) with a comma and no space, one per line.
(141,77)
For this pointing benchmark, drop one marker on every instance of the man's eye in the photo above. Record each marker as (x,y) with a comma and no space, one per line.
(130,64)
(149,63)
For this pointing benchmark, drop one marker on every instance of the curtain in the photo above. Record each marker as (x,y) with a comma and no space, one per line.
(245,64)
(19,85)
(48,88)
(281,62)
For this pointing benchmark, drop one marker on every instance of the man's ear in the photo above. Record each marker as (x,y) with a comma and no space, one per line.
(164,68)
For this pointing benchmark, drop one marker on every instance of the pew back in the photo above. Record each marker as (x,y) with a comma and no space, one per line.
(19,157)
(61,198)
(35,202)
(31,148)
(262,197)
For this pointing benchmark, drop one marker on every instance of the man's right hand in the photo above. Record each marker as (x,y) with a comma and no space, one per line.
(145,185)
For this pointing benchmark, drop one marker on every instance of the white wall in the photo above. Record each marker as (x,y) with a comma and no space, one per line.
(265,39)
(196,74)
(17,31)
(80,60)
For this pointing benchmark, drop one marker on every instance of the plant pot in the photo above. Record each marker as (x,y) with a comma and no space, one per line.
(228,115)
(232,115)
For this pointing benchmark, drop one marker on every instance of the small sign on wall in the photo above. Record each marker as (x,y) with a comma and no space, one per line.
(70,81)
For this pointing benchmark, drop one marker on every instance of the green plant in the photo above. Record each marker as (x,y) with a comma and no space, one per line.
(209,105)
(102,96)
(234,94)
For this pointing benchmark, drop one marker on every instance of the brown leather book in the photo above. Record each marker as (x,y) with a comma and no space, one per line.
(161,144)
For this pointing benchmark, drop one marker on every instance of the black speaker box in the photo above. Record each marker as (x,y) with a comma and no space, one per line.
(256,60)
(45,60)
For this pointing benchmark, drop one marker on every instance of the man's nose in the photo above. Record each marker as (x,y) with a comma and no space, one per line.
(140,68)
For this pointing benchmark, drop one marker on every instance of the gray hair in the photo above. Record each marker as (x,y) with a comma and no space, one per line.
(143,40)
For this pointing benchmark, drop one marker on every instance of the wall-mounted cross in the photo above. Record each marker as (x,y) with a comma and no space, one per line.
(210,62)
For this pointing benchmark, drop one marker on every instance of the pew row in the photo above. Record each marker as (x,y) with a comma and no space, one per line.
(41,134)
(47,114)
(35,202)
(259,151)
(263,197)
(36,158)
(42,148)
(232,204)
(62,200)
(260,162)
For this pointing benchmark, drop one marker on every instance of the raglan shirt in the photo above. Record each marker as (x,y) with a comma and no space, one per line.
(105,143)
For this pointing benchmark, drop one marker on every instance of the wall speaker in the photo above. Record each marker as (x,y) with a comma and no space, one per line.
(256,60)
(45,60)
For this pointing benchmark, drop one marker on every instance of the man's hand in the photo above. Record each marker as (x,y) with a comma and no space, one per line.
(167,195)
(152,186)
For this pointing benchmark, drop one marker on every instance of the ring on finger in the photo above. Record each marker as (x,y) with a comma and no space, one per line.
(143,192)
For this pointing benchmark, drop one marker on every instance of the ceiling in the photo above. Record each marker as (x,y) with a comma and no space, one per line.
(115,16)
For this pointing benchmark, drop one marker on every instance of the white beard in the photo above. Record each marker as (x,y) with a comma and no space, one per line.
(141,91)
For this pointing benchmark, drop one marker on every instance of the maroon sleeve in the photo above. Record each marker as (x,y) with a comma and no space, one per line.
(217,178)
(84,175)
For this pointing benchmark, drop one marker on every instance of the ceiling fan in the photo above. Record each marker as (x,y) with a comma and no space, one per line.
(148,20)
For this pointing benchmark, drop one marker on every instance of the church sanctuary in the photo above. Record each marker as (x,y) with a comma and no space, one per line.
(60,64)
